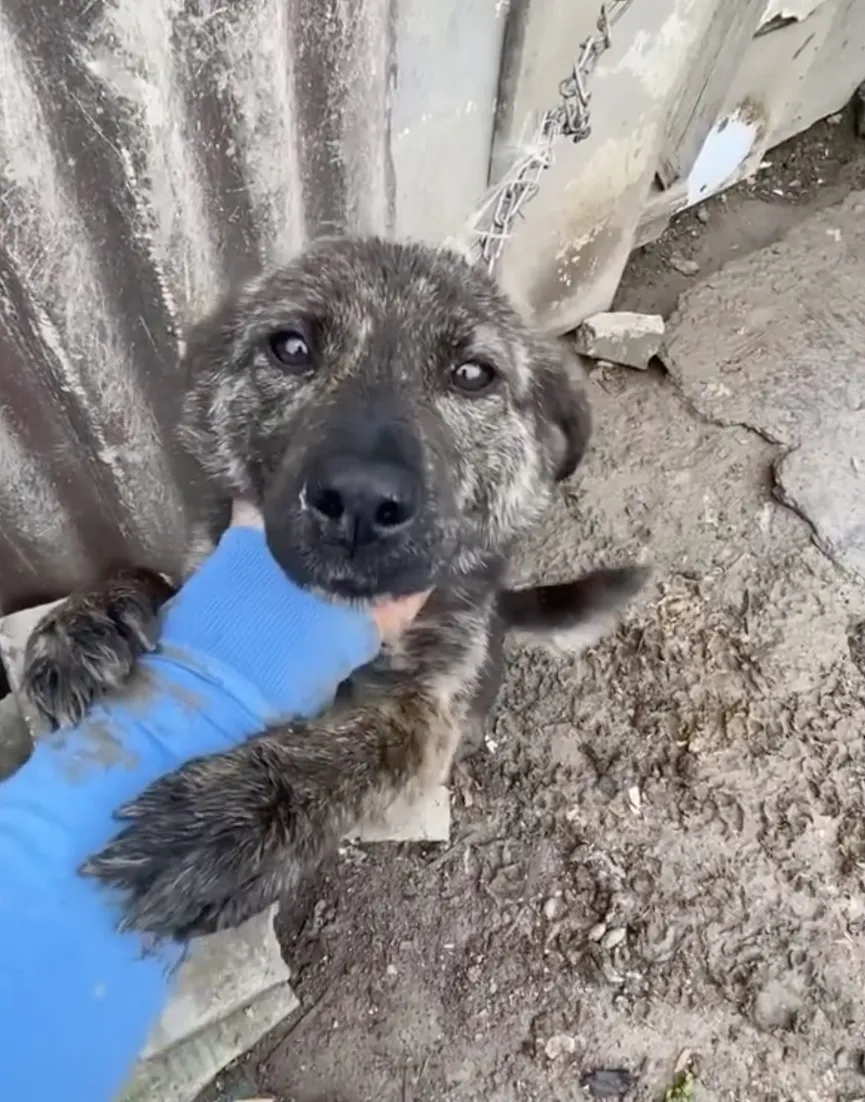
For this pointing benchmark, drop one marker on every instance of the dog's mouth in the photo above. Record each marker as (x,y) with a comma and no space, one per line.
(359,575)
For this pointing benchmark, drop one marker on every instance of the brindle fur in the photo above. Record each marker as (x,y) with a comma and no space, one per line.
(226,835)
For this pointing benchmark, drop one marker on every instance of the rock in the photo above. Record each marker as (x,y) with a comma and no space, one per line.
(597,931)
(553,908)
(684,266)
(608,1082)
(614,938)
(702,215)
(560,1044)
(621,338)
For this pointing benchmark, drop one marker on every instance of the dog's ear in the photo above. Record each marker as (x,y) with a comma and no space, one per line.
(563,410)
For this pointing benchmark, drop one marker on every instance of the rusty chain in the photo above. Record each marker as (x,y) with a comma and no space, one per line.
(568,119)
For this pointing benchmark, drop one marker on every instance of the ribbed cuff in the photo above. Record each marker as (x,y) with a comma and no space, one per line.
(242,610)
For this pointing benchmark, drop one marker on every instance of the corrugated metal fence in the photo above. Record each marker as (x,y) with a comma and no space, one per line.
(150,152)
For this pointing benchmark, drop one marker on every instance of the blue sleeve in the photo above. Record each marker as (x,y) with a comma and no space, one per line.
(240,647)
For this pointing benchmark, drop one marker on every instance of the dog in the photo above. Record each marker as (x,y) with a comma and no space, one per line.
(399,425)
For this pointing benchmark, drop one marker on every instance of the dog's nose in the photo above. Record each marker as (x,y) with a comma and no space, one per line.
(362,500)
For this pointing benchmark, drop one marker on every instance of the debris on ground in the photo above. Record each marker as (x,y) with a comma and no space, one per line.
(560,1044)
(621,338)
(682,1087)
(608,1083)
(683,265)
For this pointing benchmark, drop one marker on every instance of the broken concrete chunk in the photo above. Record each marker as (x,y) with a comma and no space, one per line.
(422,820)
(621,338)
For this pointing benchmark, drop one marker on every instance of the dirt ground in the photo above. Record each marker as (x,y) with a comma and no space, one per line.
(656,884)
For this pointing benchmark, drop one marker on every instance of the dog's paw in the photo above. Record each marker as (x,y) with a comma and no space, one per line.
(203,848)
(87,646)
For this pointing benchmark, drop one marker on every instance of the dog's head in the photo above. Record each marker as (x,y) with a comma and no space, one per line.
(388,411)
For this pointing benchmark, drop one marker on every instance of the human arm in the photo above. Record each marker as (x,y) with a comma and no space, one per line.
(240,646)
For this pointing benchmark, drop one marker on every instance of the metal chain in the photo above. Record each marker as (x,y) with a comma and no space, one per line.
(568,119)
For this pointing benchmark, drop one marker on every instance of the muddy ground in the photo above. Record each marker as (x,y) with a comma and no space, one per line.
(657,875)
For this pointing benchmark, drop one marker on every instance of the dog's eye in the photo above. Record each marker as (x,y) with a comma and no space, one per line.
(291,349)
(472,377)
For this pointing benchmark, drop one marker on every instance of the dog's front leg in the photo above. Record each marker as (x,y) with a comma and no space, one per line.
(225,836)
(88,645)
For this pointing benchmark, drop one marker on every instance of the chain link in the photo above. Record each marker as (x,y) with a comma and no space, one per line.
(568,119)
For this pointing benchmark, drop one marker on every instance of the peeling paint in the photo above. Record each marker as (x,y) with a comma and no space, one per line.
(783,11)
(723,153)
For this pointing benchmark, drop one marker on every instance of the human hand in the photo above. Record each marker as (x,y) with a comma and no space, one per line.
(391,617)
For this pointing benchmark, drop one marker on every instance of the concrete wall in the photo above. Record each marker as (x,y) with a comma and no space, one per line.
(151,153)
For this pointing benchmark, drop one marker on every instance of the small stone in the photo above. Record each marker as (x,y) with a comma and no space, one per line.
(553,908)
(683,265)
(560,1044)
(635,799)
(597,931)
(608,1082)
(614,938)
(684,1062)
(621,338)
(702,215)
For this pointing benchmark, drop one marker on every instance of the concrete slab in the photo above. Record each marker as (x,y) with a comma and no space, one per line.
(776,342)
(225,973)
(824,481)
(180,1072)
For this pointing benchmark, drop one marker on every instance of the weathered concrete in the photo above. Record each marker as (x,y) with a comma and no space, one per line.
(568,255)
(621,338)
(232,990)
(774,342)
(823,479)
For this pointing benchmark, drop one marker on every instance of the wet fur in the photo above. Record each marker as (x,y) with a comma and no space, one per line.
(224,836)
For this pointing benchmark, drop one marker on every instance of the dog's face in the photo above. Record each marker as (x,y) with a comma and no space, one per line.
(386,409)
